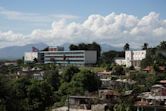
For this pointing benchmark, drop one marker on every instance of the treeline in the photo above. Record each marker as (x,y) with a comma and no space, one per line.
(83,46)
(155,56)
(25,93)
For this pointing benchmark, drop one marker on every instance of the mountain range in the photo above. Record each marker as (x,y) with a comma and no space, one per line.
(16,52)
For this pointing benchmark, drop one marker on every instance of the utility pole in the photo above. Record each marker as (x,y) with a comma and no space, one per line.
(68,103)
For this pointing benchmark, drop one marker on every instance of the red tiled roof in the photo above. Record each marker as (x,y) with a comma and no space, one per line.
(162,68)
(141,103)
(163,81)
(148,68)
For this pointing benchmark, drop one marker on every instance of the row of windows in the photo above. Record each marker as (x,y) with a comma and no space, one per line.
(65,53)
(67,56)
(136,53)
(66,60)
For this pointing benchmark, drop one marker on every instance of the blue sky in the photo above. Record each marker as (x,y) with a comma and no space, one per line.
(23,17)
(80,8)
(87,7)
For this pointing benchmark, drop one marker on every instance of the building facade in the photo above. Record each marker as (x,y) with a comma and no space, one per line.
(78,57)
(132,58)
(57,55)
(30,56)
(120,61)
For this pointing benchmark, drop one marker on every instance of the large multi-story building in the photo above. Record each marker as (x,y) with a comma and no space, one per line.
(57,55)
(132,58)
(79,57)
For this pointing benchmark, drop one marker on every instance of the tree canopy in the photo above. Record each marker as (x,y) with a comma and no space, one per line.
(126,47)
(83,46)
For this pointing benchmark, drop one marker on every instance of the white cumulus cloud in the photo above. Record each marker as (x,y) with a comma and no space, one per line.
(113,29)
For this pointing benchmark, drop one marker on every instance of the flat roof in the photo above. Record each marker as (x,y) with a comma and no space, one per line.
(70,51)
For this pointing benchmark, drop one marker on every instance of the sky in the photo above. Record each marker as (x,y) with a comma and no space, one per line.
(55,22)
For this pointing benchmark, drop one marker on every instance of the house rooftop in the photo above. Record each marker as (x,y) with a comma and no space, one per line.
(163,81)
(158,86)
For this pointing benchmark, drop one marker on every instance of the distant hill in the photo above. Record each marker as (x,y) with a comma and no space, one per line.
(106,47)
(16,52)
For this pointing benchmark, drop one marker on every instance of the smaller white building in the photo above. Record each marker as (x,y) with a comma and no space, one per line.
(120,61)
(30,56)
(132,58)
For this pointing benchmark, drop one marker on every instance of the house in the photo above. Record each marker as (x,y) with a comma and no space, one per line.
(7,63)
(30,71)
(156,96)
(150,69)
(104,74)
(120,61)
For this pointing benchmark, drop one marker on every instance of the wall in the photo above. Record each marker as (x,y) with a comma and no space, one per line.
(30,56)
(90,57)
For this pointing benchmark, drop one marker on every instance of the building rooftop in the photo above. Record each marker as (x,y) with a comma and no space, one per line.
(158,86)
(163,81)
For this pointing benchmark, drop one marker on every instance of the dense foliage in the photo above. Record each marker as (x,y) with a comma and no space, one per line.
(155,56)
(83,46)
(25,93)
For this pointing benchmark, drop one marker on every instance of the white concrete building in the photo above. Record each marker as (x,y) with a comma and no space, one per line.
(78,57)
(30,56)
(57,55)
(120,61)
(132,58)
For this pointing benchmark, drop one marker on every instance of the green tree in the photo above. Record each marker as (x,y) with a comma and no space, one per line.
(118,70)
(53,78)
(73,47)
(18,95)
(83,46)
(108,57)
(89,80)
(20,61)
(40,95)
(4,92)
(148,61)
(145,46)
(35,60)
(126,47)
(162,45)
(68,73)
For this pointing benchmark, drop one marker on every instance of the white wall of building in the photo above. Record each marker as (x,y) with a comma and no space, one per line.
(134,56)
(90,57)
(120,61)
(80,57)
(128,58)
(30,56)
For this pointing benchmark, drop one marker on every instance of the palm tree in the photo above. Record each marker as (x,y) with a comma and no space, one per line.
(145,46)
(73,47)
(162,45)
(126,47)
